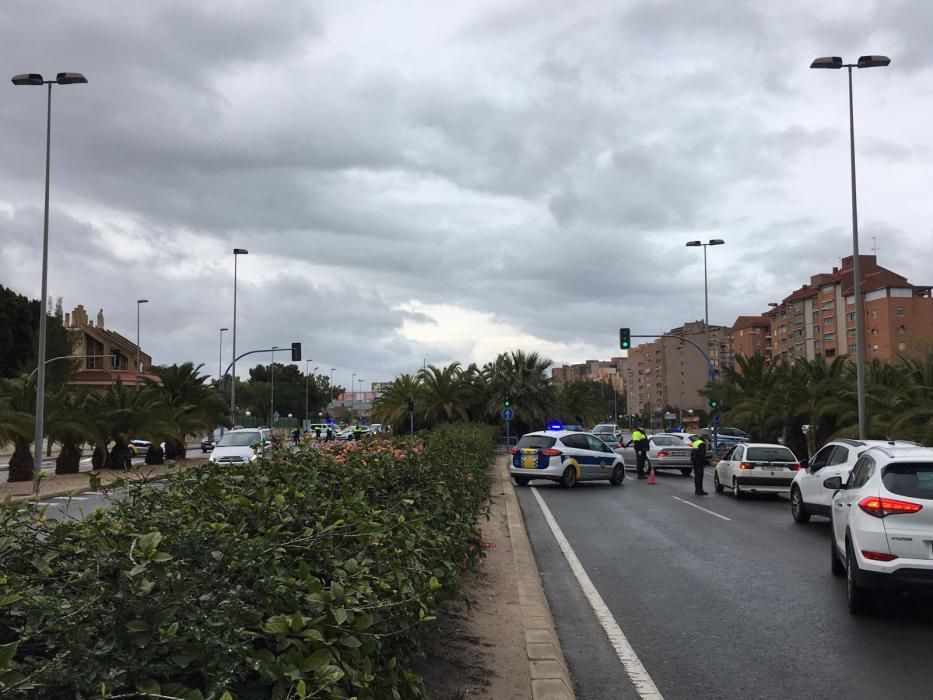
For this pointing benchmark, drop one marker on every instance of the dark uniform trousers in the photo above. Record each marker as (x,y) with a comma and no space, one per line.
(640,458)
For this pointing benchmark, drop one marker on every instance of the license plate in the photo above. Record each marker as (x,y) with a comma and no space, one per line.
(528,462)
(678,453)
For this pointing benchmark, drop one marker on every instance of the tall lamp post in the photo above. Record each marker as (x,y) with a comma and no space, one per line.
(37,79)
(863,62)
(352,394)
(139,302)
(359,383)
(307,376)
(236,253)
(272,393)
(693,244)
(332,397)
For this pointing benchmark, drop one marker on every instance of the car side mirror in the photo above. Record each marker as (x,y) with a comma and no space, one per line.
(805,463)
(834,483)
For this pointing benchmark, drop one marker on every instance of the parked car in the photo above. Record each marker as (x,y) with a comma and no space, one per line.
(610,428)
(565,456)
(665,451)
(808,496)
(138,446)
(756,467)
(207,444)
(237,446)
(882,523)
(350,432)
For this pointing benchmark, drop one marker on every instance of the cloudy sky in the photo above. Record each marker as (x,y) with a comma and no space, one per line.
(438,180)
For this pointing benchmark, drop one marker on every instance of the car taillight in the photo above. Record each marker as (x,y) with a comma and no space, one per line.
(662,453)
(796,467)
(515,450)
(745,465)
(618,444)
(551,452)
(881,507)
(878,556)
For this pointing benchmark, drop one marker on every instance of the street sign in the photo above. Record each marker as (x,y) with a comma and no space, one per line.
(716,420)
(507,414)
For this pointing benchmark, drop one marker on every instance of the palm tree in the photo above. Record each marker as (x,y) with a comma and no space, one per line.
(191,405)
(524,376)
(581,402)
(17,423)
(70,425)
(122,414)
(391,408)
(443,394)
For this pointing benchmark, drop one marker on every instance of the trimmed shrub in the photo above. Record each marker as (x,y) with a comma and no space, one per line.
(301,575)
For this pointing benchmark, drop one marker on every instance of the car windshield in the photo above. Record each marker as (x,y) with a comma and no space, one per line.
(913,480)
(536,442)
(770,454)
(239,439)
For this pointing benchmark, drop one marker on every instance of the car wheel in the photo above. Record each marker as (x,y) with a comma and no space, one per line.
(834,564)
(686,471)
(521,480)
(797,507)
(858,598)
(569,477)
(716,485)
(618,474)
(736,489)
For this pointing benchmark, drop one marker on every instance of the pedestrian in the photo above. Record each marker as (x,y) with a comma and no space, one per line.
(698,459)
(317,433)
(640,442)
(296,436)
(329,435)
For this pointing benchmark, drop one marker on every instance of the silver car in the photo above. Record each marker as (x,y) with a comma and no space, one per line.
(665,451)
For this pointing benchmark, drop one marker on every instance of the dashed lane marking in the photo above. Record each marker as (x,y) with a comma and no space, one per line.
(644,686)
(705,510)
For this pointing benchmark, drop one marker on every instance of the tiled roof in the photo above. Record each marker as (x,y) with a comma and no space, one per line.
(751,322)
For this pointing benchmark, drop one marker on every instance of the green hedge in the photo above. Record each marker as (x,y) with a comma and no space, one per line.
(302,575)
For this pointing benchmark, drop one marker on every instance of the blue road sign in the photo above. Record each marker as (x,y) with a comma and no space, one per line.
(507,414)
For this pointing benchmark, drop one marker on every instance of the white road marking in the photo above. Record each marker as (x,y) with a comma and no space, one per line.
(644,686)
(71,498)
(705,510)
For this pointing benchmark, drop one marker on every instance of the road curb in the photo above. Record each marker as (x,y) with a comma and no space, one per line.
(550,679)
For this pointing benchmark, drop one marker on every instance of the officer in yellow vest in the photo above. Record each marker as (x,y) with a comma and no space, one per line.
(640,442)
(698,458)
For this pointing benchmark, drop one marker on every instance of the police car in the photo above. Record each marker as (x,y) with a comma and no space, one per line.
(564,456)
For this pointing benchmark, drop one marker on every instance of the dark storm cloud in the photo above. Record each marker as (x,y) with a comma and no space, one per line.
(535,161)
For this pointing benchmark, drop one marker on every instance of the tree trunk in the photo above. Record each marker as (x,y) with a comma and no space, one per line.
(69,459)
(155,455)
(100,457)
(120,457)
(21,462)
(175,449)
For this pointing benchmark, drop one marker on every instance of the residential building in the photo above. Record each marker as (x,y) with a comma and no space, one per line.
(105,354)
(751,335)
(670,372)
(818,319)
(603,371)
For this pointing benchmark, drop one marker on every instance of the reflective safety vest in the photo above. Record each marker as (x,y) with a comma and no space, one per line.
(696,444)
(638,435)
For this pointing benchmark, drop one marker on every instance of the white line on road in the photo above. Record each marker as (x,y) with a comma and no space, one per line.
(705,510)
(644,686)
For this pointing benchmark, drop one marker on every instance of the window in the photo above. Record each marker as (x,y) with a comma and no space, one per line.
(850,333)
(874,313)
(798,333)
(577,441)
(850,316)
(830,352)
(851,349)
(798,318)
(770,454)
(597,445)
(899,311)
(902,346)
(816,345)
(827,305)
(874,348)
(826,289)
(537,442)
(911,480)
(829,336)
(901,330)
(839,456)
(862,472)
(820,459)
(829,321)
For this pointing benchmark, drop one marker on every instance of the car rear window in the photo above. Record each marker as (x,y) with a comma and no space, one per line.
(913,480)
(537,442)
(769,454)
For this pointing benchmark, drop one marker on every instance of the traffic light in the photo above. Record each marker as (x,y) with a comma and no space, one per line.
(714,404)
(508,398)
(296,352)
(625,338)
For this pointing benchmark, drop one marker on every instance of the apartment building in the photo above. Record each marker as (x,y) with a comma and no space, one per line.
(751,335)
(670,372)
(604,371)
(818,319)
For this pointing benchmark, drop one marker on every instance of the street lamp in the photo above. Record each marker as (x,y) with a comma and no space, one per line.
(863,62)
(307,362)
(352,394)
(359,383)
(272,394)
(139,302)
(37,79)
(332,397)
(236,253)
(693,244)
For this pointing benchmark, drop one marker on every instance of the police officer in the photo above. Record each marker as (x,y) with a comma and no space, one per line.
(640,442)
(698,458)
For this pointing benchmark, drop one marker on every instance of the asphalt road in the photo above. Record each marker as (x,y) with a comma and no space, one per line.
(737,606)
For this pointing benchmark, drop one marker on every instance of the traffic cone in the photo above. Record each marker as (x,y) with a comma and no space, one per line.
(652,479)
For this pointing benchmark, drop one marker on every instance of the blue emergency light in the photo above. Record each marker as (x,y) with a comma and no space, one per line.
(556,425)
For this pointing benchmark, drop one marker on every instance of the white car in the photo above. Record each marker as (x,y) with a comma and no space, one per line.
(882,523)
(756,467)
(808,496)
(236,446)
(565,456)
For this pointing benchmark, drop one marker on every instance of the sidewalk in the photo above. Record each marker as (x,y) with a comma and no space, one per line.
(502,644)
(53,485)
